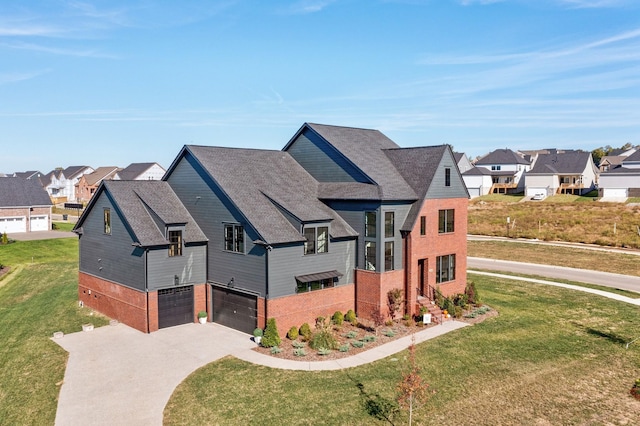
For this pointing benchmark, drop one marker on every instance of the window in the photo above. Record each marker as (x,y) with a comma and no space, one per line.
(445,268)
(388,224)
(107,221)
(423,225)
(234,238)
(370,255)
(314,285)
(447,176)
(370,224)
(445,221)
(388,256)
(317,240)
(495,168)
(175,243)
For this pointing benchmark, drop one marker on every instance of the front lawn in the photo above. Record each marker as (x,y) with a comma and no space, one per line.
(552,355)
(37,298)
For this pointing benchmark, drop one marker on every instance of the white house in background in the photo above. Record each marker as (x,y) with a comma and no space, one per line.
(622,181)
(463,161)
(561,173)
(507,168)
(61,183)
(141,171)
(478,181)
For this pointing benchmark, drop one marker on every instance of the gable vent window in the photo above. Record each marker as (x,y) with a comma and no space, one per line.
(107,221)
(175,243)
(447,176)
(234,238)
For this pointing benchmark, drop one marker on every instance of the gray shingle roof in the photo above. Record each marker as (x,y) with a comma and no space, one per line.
(18,192)
(573,162)
(73,171)
(501,156)
(101,173)
(633,157)
(133,170)
(140,202)
(364,148)
(477,171)
(261,182)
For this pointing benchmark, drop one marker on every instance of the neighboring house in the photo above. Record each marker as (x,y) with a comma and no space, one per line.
(88,183)
(478,181)
(507,168)
(334,221)
(141,171)
(561,173)
(28,175)
(462,161)
(24,206)
(70,178)
(622,181)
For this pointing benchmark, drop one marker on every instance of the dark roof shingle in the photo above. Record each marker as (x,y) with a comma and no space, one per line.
(19,192)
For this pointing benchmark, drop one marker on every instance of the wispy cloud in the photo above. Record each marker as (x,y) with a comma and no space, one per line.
(304,7)
(6,78)
(593,4)
(58,51)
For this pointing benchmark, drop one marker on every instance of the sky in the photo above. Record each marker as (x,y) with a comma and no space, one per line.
(109,83)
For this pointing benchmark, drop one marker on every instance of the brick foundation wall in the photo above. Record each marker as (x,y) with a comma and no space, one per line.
(261,319)
(372,289)
(115,301)
(199,300)
(306,307)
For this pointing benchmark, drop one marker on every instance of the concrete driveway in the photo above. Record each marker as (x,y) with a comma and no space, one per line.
(119,376)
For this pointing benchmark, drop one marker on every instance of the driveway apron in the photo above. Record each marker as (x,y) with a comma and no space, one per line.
(119,376)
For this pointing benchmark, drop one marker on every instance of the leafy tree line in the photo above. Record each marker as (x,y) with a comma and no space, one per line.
(603,151)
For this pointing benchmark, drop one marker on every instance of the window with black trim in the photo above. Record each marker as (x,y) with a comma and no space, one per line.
(107,221)
(234,238)
(388,256)
(446,220)
(388,224)
(370,255)
(314,285)
(447,176)
(316,239)
(175,243)
(445,268)
(423,225)
(370,224)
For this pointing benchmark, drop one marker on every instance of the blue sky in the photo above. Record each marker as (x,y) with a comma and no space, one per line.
(115,82)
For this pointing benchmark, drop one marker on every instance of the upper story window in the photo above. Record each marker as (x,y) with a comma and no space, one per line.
(388,224)
(370,219)
(175,243)
(495,168)
(107,221)
(317,240)
(447,176)
(446,220)
(423,225)
(234,238)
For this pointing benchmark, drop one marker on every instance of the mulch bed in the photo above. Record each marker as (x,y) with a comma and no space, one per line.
(4,270)
(400,329)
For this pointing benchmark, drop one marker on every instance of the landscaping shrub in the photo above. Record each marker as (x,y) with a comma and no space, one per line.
(461,300)
(635,390)
(299,352)
(305,332)
(357,344)
(439,298)
(5,238)
(352,334)
(471,293)
(293,333)
(323,338)
(324,351)
(275,350)
(394,301)
(298,345)
(344,348)
(448,305)
(457,312)
(337,318)
(271,337)
(351,317)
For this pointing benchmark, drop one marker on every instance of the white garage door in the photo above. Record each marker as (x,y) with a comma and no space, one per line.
(39,223)
(474,192)
(13,224)
(615,192)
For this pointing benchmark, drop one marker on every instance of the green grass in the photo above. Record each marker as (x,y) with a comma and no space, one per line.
(551,355)
(38,298)
(500,198)
(63,226)
(633,200)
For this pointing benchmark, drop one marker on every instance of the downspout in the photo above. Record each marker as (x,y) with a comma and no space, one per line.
(268,249)
(146,288)
(407,263)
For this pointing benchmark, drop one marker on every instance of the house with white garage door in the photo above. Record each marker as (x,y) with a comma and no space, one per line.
(622,181)
(25,206)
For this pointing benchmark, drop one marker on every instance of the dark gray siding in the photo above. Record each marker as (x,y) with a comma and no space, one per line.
(322,161)
(111,257)
(211,209)
(437,189)
(353,213)
(288,261)
(190,267)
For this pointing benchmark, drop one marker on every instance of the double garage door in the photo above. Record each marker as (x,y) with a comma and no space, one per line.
(235,309)
(175,306)
(12,225)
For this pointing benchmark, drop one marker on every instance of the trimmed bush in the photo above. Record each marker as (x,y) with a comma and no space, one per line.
(351,335)
(471,293)
(305,332)
(344,348)
(293,333)
(298,345)
(324,351)
(275,350)
(351,317)
(337,318)
(299,352)
(271,337)
(323,339)
(357,344)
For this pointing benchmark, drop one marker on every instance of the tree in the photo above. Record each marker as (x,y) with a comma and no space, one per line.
(412,388)
(271,337)
(394,301)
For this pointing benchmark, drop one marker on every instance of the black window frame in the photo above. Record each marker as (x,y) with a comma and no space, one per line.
(446,221)
(316,240)
(370,256)
(306,287)
(389,248)
(447,176)
(175,243)
(423,225)
(389,224)
(234,238)
(370,226)
(106,221)
(445,268)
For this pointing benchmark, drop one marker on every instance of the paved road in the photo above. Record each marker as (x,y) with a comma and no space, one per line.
(619,281)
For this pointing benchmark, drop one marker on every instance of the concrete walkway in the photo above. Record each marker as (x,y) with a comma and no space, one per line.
(119,376)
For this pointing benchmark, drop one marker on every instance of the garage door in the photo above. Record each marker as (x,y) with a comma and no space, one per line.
(175,306)
(234,309)
(615,192)
(13,224)
(39,223)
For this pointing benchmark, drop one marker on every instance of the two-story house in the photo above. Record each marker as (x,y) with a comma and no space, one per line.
(507,168)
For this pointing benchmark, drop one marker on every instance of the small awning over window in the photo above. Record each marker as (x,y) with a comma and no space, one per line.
(318,276)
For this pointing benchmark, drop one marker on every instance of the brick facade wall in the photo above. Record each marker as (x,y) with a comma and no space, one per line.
(371,291)
(127,305)
(295,310)
(27,213)
(199,300)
